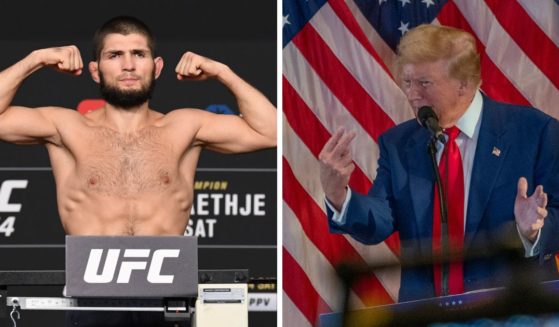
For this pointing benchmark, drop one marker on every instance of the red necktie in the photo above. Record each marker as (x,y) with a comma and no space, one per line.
(452,178)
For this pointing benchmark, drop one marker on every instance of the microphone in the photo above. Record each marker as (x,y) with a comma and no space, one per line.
(428,119)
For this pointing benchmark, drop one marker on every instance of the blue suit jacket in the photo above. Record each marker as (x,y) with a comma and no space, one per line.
(401,198)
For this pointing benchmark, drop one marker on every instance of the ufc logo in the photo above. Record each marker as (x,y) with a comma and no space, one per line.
(126,267)
(5,193)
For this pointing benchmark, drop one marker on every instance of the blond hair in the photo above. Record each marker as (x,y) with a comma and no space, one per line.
(430,43)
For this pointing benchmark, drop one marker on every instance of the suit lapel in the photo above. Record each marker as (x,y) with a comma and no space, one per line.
(491,151)
(421,185)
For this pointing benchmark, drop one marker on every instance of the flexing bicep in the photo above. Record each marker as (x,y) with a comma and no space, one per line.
(21,125)
(230,134)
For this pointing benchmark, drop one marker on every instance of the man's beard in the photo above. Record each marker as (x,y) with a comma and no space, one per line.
(126,99)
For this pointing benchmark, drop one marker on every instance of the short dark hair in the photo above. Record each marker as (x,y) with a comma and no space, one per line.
(121,25)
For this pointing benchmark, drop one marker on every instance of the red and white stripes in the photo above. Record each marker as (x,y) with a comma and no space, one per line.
(335,74)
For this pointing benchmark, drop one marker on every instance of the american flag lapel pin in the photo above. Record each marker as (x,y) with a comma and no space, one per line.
(496,151)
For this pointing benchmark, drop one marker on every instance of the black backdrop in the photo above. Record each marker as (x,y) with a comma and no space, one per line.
(240,33)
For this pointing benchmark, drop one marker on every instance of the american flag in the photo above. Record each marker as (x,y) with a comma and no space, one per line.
(337,57)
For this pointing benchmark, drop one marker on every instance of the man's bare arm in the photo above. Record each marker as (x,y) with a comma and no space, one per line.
(254,129)
(24,125)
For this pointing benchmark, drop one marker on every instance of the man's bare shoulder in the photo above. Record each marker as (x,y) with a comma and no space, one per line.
(60,112)
(49,123)
(61,117)
(94,117)
(186,113)
(181,125)
(188,116)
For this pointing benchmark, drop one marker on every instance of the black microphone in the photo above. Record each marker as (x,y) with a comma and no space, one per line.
(428,119)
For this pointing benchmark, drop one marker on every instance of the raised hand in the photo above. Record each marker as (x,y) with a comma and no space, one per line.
(65,59)
(530,212)
(195,67)
(336,166)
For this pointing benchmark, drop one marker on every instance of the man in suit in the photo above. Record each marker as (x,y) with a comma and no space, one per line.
(508,172)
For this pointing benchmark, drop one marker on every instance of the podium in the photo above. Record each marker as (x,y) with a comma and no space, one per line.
(538,299)
(141,273)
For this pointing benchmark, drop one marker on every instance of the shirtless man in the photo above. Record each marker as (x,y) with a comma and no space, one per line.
(126,169)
